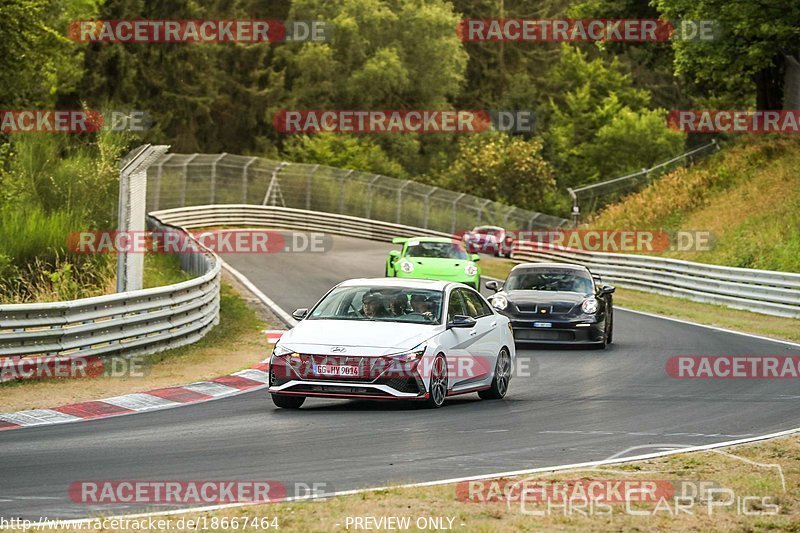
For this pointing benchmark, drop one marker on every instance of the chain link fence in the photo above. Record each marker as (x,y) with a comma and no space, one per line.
(588,198)
(180,180)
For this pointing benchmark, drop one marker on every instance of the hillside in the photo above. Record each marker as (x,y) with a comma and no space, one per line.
(747,195)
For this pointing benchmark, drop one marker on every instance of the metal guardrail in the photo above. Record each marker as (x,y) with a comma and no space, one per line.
(761,291)
(204,216)
(123,324)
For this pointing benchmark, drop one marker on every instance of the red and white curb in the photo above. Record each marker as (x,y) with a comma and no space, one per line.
(237,383)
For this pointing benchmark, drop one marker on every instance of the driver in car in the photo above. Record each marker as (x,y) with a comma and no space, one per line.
(372,306)
(420,305)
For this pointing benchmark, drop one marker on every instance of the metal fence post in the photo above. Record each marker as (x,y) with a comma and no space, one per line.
(214,177)
(157,188)
(274,193)
(375,178)
(308,187)
(131,213)
(246,178)
(183,179)
(428,206)
(341,190)
(455,201)
(400,200)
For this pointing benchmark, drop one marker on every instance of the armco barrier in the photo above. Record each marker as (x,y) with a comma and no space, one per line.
(761,291)
(124,324)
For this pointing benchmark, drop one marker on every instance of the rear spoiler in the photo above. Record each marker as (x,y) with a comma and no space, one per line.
(399,240)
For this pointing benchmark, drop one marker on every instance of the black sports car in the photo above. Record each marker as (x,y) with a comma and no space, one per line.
(555,303)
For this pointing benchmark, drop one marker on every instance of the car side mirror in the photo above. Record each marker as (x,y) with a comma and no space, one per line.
(301,313)
(474,257)
(393,256)
(493,285)
(607,289)
(461,321)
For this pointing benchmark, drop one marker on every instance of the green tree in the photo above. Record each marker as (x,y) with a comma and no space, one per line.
(342,151)
(500,167)
(748,57)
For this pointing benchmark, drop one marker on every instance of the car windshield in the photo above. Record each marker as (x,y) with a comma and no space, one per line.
(385,304)
(446,250)
(549,280)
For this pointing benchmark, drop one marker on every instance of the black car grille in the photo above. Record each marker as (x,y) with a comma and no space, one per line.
(536,335)
(409,385)
(543,309)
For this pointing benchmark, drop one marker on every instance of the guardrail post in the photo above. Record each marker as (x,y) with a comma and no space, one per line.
(131,213)
(214,177)
(274,193)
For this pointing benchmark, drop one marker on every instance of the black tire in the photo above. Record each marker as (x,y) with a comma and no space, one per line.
(437,389)
(610,334)
(284,401)
(502,377)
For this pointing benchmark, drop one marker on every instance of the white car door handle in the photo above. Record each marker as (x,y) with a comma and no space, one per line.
(473,333)
(493,324)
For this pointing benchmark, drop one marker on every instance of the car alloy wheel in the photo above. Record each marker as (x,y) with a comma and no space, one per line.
(502,376)
(438,385)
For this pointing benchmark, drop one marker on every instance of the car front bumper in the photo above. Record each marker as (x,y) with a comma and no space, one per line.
(559,332)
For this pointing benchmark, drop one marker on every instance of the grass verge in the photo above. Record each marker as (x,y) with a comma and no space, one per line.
(713,315)
(234,344)
(750,497)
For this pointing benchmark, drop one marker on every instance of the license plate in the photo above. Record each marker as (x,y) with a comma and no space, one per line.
(542,324)
(336,370)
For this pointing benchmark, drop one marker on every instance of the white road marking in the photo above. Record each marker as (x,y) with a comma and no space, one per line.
(210,388)
(140,402)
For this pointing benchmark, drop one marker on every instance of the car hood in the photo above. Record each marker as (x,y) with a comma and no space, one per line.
(548,297)
(357,337)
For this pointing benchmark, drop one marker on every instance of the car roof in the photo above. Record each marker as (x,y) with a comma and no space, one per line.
(488,227)
(541,266)
(410,283)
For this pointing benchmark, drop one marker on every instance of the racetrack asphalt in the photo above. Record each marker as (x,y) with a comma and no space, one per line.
(577,405)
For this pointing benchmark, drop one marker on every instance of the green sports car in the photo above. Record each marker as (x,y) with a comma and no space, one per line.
(439,258)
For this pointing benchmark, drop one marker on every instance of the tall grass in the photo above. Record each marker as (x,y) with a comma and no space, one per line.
(747,196)
(52,186)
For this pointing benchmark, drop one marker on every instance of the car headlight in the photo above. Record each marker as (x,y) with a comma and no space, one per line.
(407,267)
(279,350)
(589,306)
(499,301)
(409,357)
(470,269)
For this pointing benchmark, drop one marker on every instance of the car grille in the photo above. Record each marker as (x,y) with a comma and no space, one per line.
(547,308)
(536,335)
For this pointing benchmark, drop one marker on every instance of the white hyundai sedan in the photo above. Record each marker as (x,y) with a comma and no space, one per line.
(396,339)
